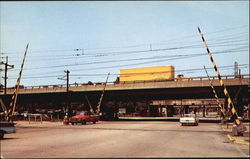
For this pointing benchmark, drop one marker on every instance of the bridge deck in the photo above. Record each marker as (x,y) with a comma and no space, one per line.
(195,82)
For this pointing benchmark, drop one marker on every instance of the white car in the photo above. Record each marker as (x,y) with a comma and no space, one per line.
(189,119)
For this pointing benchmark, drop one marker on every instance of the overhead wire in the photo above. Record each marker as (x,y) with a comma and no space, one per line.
(226,43)
(159,59)
(134,59)
(231,40)
(132,46)
(166,57)
(120,60)
(101,74)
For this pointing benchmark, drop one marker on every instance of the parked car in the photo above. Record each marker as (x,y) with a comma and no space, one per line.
(83,117)
(6,127)
(189,119)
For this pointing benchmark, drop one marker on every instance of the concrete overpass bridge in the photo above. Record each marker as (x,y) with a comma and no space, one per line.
(54,96)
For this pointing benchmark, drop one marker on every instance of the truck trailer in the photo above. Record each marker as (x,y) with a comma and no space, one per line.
(156,73)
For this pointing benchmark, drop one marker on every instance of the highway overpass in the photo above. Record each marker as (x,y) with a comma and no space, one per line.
(195,88)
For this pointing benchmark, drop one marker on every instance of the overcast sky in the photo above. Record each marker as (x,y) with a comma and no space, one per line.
(91,39)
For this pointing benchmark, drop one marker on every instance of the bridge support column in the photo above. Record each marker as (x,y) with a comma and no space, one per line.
(186,109)
(226,107)
(170,110)
(204,110)
(239,106)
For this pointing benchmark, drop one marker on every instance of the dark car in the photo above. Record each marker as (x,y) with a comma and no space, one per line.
(6,127)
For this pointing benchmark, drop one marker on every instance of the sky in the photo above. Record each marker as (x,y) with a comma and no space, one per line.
(93,38)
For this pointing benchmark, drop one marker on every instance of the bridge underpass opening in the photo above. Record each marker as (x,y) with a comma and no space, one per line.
(130,107)
(135,102)
(173,108)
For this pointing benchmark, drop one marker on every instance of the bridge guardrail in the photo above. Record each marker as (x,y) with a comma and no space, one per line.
(101,84)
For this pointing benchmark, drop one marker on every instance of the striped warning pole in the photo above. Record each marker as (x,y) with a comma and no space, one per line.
(14,96)
(215,95)
(90,106)
(100,101)
(230,102)
(4,108)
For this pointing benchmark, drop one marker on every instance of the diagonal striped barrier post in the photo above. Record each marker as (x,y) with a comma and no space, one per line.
(5,110)
(90,106)
(100,101)
(14,96)
(215,95)
(230,102)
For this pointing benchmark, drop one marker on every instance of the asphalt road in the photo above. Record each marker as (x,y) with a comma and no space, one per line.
(121,139)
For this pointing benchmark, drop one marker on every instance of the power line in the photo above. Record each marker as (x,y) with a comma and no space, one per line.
(166,57)
(138,45)
(73,75)
(231,40)
(217,44)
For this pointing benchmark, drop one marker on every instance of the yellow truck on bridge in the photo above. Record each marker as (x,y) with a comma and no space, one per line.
(156,73)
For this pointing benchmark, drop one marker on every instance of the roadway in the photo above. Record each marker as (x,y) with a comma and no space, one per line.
(119,139)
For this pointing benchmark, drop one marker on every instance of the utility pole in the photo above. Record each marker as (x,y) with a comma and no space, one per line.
(69,111)
(67,80)
(67,90)
(236,69)
(6,76)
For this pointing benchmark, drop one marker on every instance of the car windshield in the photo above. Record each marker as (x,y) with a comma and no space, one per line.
(189,115)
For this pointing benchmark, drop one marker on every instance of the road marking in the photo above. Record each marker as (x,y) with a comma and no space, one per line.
(232,139)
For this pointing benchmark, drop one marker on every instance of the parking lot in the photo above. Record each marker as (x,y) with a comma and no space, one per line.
(119,139)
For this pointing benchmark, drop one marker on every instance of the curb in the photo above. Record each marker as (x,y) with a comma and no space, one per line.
(225,130)
(234,140)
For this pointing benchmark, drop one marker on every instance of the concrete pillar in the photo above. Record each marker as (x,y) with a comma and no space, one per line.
(186,109)
(170,110)
(204,110)
(239,105)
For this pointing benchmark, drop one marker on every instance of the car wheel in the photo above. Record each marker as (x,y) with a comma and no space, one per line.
(84,122)
(1,134)
(72,123)
(65,123)
(94,122)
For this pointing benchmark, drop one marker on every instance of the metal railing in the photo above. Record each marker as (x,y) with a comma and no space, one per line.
(227,77)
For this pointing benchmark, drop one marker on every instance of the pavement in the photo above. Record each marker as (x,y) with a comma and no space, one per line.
(243,140)
(201,119)
(24,123)
(226,128)
(119,139)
